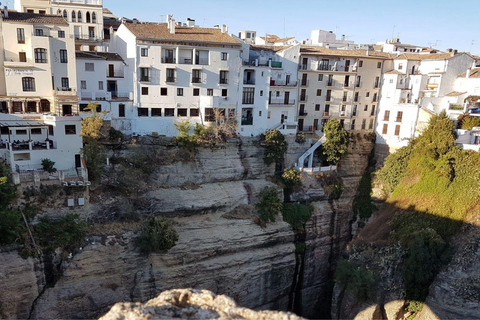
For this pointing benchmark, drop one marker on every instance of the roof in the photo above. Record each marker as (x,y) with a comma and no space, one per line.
(394,72)
(34,18)
(454,94)
(428,56)
(475,73)
(98,55)
(160,32)
(357,53)
(269,48)
(272,38)
(106,11)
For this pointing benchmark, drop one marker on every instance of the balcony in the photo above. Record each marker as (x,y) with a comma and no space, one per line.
(247,121)
(302,113)
(196,80)
(144,79)
(330,83)
(91,2)
(223,81)
(116,74)
(251,81)
(86,37)
(185,61)
(303,98)
(455,107)
(171,79)
(336,68)
(281,102)
(305,83)
(70,92)
(283,83)
(201,61)
(326,114)
(169,60)
(323,67)
(276,64)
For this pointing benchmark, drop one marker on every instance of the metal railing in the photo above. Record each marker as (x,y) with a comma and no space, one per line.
(196,80)
(251,81)
(168,60)
(303,98)
(285,102)
(171,79)
(283,83)
(223,81)
(247,121)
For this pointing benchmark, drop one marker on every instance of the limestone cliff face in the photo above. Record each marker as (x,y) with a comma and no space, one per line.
(257,267)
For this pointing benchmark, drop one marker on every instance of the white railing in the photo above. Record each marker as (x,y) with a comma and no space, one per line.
(309,153)
(93,2)
(319,169)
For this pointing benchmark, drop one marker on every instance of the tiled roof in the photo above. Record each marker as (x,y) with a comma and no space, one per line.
(98,55)
(318,50)
(269,48)
(160,32)
(272,38)
(34,18)
(394,72)
(454,94)
(474,74)
(428,56)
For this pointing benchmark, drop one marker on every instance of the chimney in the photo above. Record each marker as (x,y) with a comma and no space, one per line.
(171,23)
(343,37)
(224,28)
(469,71)
(190,22)
(5,12)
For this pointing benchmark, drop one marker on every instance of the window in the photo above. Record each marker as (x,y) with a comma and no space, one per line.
(223,77)
(391,80)
(372,113)
(74,16)
(365,108)
(144,52)
(39,32)
(399,116)
(163,91)
(196,92)
(36,131)
(352,125)
(89,66)
(121,110)
(94,17)
(261,93)
(320,77)
(41,12)
(224,56)
(370,125)
(397,130)
(79,16)
(51,131)
(170,75)
(367,94)
(317,107)
(142,112)
(70,129)
(28,84)
(386,116)
(169,112)
(20,35)
(379,65)
(355,98)
(210,92)
(65,83)
(194,112)
(179,92)
(182,112)
(21,132)
(196,76)
(224,92)
(83,85)
(41,55)
(354,112)
(248,96)
(65,14)
(61,34)
(83,107)
(364,123)
(360,63)
(144,91)
(22,56)
(319,92)
(156,112)
(100,85)
(145,74)
(63,56)
(400,66)
(87,17)
(209,115)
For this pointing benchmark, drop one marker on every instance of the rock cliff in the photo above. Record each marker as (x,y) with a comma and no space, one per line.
(259,268)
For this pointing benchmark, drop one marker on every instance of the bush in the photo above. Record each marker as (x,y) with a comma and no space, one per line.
(359,281)
(47,165)
(11,226)
(468,122)
(114,134)
(157,234)
(270,204)
(336,145)
(394,168)
(8,191)
(291,178)
(65,233)
(296,215)
(275,147)
(94,153)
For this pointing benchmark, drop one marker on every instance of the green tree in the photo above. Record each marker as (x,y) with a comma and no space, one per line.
(157,234)
(93,124)
(336,145)
(438,138)
(48,164)
(270,204)
(394,168)
(291,178)
(8,191)
(469,122)
(275,147)
(65,232)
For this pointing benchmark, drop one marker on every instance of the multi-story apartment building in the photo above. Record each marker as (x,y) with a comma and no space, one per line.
(342,84)
(178,72)
(85,18)
(38,100)
(269,89)
(418,82)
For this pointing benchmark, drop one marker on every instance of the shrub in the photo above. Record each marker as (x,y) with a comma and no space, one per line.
(468,122)
(157,234)
(296,214)
(11,225)
(184,136)
(94,154)
(8,191)
(362,204)
(394,168)
(359,281)
(114,134)
(336,145)
(270,204)
(291,178)
(300,138)
(65,233)
(275,147)
(47,165)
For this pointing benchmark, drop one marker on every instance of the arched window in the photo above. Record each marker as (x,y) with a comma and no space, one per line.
(74,16)
(28,84)
(87,17)
(65,14)
(44,105)
(59,12)
(94,17)
(79,16)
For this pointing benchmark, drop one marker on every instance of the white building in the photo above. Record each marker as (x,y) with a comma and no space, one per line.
(178,72)
(85,18)
(247,36)
(328,39)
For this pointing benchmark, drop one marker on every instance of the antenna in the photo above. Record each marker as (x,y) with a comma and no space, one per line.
(284,34)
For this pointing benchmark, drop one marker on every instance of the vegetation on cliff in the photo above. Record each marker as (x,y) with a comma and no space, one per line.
(157,234)
(336,145)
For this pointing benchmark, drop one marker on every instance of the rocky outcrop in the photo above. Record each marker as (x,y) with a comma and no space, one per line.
(191,304)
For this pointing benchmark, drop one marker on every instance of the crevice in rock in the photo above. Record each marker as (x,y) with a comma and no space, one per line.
(245,164)
(135,283)
(295,295)
(152,282)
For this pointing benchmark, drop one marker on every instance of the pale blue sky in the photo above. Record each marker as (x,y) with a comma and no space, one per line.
(422,22)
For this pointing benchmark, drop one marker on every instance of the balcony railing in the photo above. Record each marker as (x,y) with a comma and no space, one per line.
(276,64)
(185,61)
(284,102)
(323,67)
(144,79)
(86,37)
(201,61)
(93,2)
(116,74)
(171,79)
(247,121)
(305,83)
(304,98)
(223,81)
(168,60)
(196,80)
(302,114)
(283,83)
(251,81)
(326,114)
(61,91)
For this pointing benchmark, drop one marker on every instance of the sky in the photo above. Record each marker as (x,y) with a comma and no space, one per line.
(441,24)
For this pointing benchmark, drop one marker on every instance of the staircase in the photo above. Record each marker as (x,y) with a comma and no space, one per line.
(310,153)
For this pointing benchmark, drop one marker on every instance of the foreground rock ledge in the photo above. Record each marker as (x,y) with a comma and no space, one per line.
(190,304)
